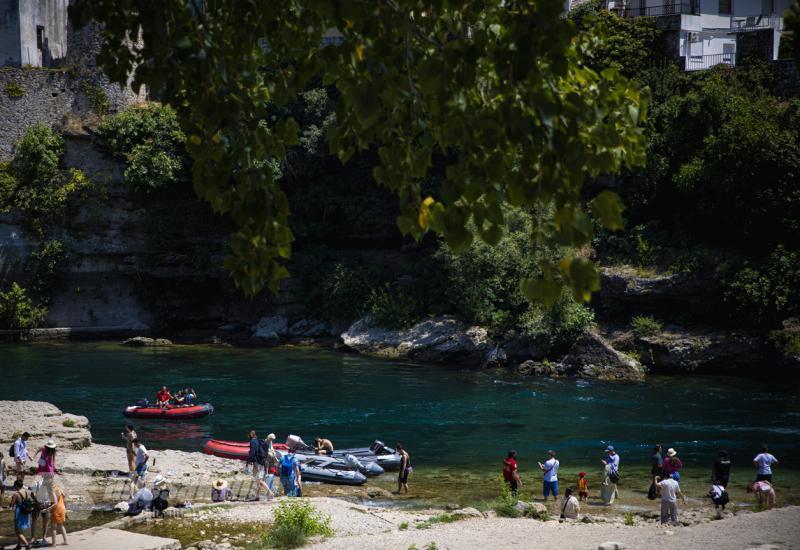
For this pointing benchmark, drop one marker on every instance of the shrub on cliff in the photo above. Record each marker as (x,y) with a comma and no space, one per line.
(645,325)
(482,285)
(17,310)
(34,185)
(150,143)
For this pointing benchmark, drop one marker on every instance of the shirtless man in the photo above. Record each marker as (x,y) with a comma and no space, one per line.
(323,446)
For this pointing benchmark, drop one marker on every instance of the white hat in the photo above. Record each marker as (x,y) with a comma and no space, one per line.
(50,444)
(159,480)
(671,452)
(271,437)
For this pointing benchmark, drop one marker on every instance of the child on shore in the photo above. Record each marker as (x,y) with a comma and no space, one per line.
(583,486)
(58,517)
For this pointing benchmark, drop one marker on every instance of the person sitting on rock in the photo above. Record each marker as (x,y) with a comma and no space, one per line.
(163,397)
(323,446)
(571,507)
(141,500)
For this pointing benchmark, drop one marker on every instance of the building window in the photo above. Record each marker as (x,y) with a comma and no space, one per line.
(724,7)
(40,37)
(767,7)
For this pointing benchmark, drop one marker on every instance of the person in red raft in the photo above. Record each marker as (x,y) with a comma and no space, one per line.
(163,397)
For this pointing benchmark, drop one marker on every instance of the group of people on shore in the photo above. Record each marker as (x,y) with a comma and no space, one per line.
(182,398)
(43,502)
(666,475)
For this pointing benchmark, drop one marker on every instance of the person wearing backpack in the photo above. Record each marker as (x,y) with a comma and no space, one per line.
(719,496)
(290,473)
(22,503)
(270,467)
(550,477)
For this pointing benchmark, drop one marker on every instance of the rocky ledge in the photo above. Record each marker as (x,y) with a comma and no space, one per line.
(43,421)
(441,339)
(680,349)
(591,356)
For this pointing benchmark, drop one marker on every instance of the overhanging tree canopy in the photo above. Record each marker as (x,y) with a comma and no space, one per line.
(497,88)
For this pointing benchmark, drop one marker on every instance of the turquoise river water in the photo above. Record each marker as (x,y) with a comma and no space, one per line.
(447,417)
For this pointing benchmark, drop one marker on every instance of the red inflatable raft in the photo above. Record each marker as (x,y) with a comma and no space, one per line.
(227,449)
(170,412)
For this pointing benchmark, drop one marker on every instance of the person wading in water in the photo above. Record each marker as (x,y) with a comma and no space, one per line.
(405,469)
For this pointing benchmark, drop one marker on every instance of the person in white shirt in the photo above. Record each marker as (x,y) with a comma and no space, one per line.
(670,490)
(550,470)
(764,462)
(140,470)
(719,496)
(571,507)
(21,454)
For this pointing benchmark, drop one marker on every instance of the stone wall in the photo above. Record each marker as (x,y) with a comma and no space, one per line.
(58,97)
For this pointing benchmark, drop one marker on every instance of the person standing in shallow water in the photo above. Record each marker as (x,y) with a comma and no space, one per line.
(405,469)
(721,470)
(510,473)
(550,477)
(764,462)
(656,461)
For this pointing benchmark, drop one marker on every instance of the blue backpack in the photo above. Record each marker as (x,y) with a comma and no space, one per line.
(287,465)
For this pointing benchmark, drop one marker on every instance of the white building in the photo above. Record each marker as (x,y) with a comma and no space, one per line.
(710,32)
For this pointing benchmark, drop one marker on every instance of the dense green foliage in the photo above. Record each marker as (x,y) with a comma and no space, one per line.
(502,94)
(718,193)
(35,186)
(632,45)
(295,521)
(766,291)
(17,310)
(150,143)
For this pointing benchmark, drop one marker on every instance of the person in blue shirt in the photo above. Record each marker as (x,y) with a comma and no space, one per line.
(290,474)
(612,459)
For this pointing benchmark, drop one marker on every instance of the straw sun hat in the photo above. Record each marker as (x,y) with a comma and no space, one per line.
(671,452)
(219,484)
(50,444)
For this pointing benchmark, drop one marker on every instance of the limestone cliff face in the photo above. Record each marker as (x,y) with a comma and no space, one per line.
(135,262)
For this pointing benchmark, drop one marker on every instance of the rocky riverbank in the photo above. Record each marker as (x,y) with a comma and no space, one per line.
(241,525)
(365,517)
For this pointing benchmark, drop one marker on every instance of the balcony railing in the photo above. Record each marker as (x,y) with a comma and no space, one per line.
(671,8)
(752,23)
(699,62)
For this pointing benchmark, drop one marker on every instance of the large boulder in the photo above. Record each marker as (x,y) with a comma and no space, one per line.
(441,339)
(678,349)
(592,356)
(625,289)
(270,329)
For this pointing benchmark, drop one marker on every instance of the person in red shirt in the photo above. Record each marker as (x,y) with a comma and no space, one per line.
(163,397)
(510,473)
